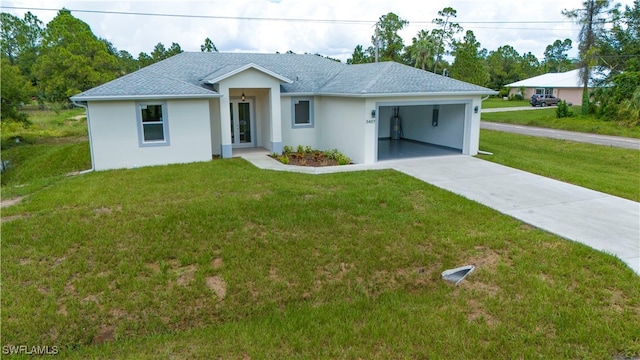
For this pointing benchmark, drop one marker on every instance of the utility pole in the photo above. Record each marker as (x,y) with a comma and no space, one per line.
(377,44)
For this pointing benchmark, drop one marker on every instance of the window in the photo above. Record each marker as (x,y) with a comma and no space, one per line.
(152,124)
(302,112)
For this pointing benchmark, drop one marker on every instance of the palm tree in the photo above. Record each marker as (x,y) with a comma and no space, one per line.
(423,49)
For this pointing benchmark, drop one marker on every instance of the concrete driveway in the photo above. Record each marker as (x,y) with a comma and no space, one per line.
(603,222)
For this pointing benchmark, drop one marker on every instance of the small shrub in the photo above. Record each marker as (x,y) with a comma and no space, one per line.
(343,160)
(286,150)
(284,159)
(516,97)
(308,149)
(300,149)
(563,110)
(332,154)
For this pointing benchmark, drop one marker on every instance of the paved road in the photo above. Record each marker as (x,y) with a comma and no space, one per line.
(606,140)
(601,221)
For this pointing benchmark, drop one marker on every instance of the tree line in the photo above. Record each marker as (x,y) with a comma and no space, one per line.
(492,69)
(53,62)
(609,57)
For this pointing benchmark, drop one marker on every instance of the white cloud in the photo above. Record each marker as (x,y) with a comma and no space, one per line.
(136,33)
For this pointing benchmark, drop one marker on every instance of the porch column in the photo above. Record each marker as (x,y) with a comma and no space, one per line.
(276,120)
(225,124)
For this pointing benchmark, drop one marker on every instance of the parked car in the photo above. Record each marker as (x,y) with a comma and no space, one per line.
(543,100)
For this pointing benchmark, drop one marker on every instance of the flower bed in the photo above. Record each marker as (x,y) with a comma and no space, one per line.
(307,156)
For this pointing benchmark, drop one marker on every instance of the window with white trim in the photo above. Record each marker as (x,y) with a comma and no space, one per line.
(152,124)
(302,112)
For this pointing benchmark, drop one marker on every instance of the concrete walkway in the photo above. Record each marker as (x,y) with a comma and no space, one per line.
(603,222)
(605,140)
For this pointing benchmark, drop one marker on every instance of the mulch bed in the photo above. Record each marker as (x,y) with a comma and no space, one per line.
(307,159)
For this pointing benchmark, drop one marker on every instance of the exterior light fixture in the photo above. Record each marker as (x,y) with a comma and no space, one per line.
(475,109)
(373,113)
(243,97)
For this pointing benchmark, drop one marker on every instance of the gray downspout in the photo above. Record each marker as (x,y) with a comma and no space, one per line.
(85,105)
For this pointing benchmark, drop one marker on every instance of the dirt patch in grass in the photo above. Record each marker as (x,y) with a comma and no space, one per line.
(185,274)
(104,334)
(486,259)
(216,263)
(118,313)
(10,202)
(154,267)
(217,285)
(90,298)
(475,312)
(14,217)
(106,210)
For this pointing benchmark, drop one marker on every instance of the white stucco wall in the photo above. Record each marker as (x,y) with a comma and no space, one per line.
(293,136)
(346,123)
(115,138)
(214,119)
(341,125)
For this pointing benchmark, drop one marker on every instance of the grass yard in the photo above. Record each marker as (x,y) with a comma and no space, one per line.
(220,259)
(223,260)
(610,170)
(546,118)
(47,127)
(52,147)
(498,102)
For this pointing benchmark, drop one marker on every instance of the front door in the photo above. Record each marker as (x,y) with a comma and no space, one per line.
(242,123)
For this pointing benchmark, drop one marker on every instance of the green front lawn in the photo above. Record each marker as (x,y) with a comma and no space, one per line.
(498,102)
(610,170)
(220,259)
(546,118)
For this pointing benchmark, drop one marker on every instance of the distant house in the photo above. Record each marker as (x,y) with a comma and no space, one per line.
(193,106)
(565,85)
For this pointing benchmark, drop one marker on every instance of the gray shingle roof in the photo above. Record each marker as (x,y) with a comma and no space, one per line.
(394,78)
(186,74)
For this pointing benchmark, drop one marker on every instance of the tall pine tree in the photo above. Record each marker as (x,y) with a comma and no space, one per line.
(468,65)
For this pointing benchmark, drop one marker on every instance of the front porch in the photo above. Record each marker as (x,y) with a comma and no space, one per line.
(247,114)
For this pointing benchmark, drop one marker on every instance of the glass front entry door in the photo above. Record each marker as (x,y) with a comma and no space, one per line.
(242,123)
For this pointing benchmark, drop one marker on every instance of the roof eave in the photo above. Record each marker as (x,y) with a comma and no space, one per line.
(407,94)
(143,97)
